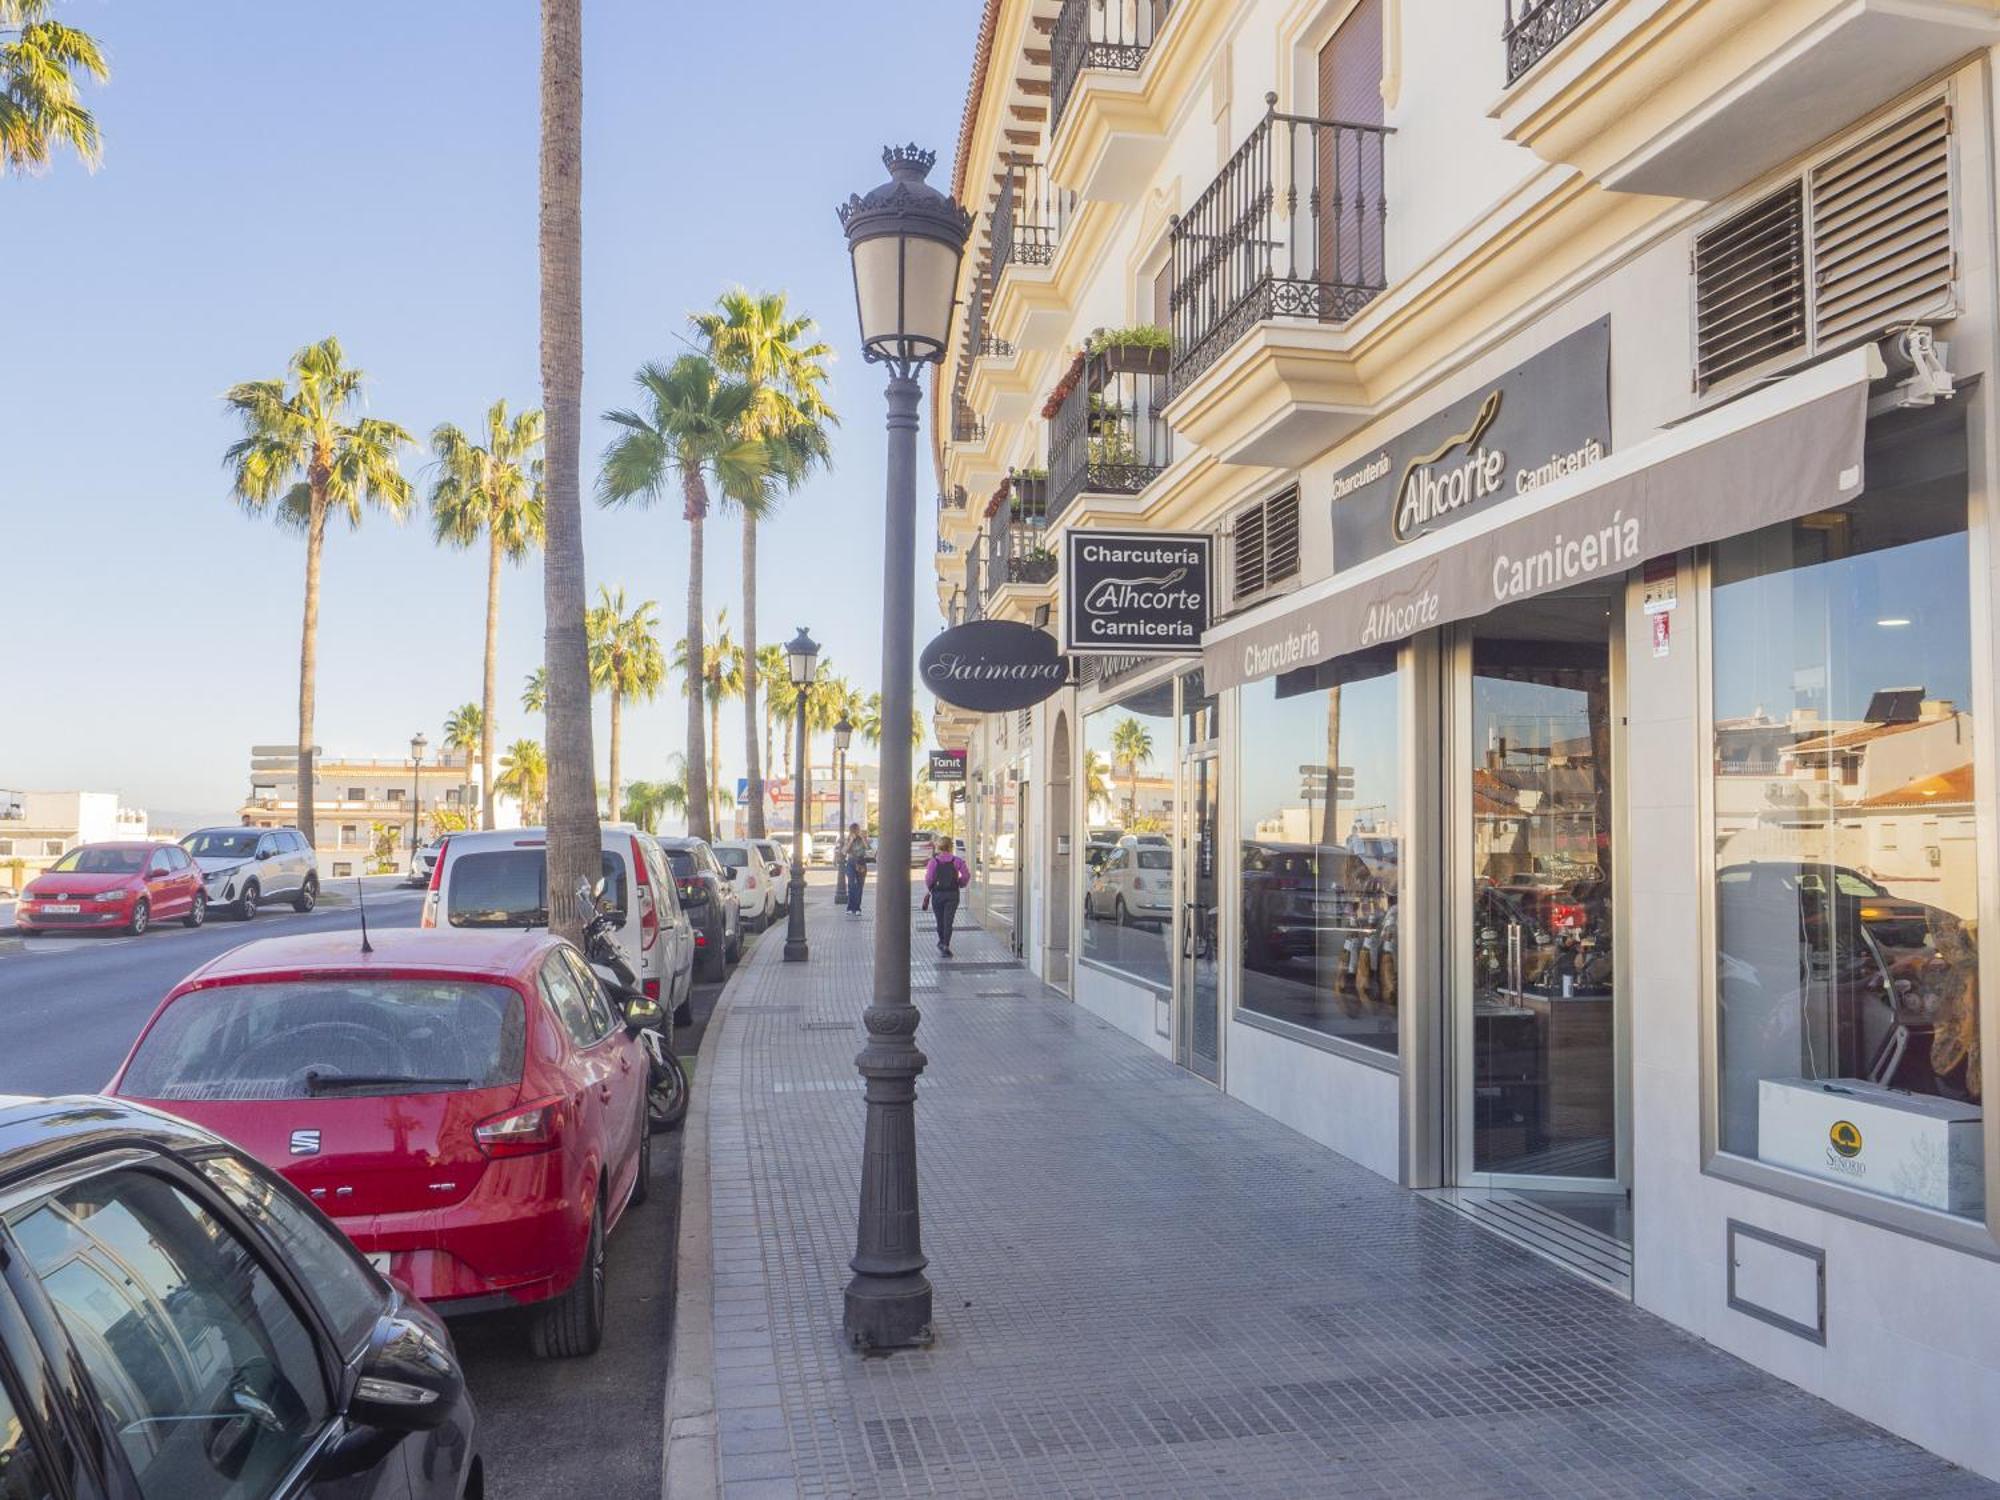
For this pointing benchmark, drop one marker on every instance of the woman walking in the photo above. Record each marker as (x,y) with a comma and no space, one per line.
(854,851)
(944,877)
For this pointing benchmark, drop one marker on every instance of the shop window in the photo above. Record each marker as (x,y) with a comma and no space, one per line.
(1846,963)
(1128,889)
(1321,843)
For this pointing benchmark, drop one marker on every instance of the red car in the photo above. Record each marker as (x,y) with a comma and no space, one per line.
(470,1107)
(129,886)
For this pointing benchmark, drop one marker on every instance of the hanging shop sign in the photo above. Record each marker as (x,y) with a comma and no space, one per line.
(1136,592)
(1538,423)
(990,666)
(947,765)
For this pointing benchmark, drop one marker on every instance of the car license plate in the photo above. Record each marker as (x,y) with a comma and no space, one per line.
(63,909)
(379,1259)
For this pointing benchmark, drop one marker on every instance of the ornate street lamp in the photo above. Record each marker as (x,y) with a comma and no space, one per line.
(906,240)
(843,736)
(801,657)
(418,745)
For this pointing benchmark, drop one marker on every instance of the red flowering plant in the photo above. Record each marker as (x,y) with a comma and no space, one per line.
(1063,388)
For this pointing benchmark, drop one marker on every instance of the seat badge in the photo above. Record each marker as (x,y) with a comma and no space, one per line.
(305,1143)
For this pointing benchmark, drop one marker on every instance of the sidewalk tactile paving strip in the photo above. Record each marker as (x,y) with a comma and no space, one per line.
(1144,1288)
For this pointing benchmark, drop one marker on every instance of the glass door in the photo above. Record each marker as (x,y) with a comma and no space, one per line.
(1540,1079)
(1196,984)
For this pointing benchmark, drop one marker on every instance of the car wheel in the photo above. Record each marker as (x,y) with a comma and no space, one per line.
(27,931)
(1118,911)
(142,917)
(198,913)
(733,949)
(667,1099)
(713,965)
(246,904)
(308,896)
(643,1188)
(572,1325)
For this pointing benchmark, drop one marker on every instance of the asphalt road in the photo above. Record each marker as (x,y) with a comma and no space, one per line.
(70,1007)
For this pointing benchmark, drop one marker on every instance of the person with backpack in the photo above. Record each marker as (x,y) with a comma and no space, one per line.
(854,854)
(944,877)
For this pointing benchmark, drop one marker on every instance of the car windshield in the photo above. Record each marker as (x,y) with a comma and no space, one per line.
(509,888)
(297,1039)
(222,843)
(735,859)
(100,861)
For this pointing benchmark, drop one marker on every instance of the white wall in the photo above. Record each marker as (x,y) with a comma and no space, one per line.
(1346,1106)
(1135,1009)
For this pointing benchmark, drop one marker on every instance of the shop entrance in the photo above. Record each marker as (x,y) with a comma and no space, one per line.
(1197,857)
(1539,1098)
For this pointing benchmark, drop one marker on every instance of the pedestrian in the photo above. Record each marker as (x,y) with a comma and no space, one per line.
(944,877)
(854,854)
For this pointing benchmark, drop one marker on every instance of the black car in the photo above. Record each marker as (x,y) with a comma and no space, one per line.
(708,895)
(175,1320)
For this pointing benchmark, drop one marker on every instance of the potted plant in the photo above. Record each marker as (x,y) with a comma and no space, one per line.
(1142,349)
(1053,406)
(1031,493)
(1036,565)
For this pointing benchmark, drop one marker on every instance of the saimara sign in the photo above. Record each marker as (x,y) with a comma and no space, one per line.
(991,666)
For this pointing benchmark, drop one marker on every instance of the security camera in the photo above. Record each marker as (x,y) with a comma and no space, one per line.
(1916,350)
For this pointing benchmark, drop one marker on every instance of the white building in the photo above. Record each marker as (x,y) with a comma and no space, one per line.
(365,808)
(37,828)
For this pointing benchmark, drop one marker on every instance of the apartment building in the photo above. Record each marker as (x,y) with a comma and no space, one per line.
(38,828)
(366,804)
(1579,804)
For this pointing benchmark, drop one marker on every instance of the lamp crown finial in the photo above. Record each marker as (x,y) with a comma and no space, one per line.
(911,163)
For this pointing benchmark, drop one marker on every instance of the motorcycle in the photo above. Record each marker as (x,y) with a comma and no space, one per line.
(667,1084)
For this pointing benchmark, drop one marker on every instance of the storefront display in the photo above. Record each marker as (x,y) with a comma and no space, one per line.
(1128,781)
(1846,837)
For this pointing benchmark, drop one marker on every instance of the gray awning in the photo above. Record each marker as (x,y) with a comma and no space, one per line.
(1775,454)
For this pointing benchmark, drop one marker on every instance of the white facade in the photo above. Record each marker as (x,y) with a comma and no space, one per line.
(37,828)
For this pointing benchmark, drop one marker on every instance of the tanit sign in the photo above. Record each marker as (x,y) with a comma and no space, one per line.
(947,765)
(1136,592)
(1537,423)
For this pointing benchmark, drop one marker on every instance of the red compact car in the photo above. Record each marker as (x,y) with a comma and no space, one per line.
(469,1107)
(114,885)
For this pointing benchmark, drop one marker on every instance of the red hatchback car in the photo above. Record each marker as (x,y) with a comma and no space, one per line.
(469,1107)
(127,885)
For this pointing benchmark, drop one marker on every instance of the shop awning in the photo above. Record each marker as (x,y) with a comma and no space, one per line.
(1773,455)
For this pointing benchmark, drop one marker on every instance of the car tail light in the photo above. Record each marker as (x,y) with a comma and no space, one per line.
(429,918)
(649,910)
(522,1132)
(775,870)
(1138,882)
(1565,915)
(700,937)
(650,988)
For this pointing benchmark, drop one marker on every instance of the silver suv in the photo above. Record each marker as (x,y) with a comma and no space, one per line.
(243,868)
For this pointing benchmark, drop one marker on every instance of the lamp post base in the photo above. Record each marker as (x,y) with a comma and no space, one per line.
(889,1312)
(796,949)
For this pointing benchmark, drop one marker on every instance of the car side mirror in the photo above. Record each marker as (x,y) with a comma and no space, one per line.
(409,1380)
(643,1015)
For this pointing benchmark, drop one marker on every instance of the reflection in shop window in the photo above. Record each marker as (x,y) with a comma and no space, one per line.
(1128,894)
(1846,843)
(1322,834)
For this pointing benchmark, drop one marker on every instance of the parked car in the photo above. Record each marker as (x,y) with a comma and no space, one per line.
(244,867)
(1134,883)
(756,894)
(713,906)
(778,861)
(825,846)
(499,880)
(424,861)
(1309,901)
(923,844)
(196,1327)
(126,886)
(470,1107)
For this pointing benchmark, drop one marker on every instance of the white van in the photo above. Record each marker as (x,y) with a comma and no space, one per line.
(500,880)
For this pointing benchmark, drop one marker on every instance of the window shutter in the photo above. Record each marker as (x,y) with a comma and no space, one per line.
(1266,546)
(1750,287)
(1881,228)
(1248,577)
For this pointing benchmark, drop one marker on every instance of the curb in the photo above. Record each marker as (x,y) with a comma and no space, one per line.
(692,1467)
(12,945)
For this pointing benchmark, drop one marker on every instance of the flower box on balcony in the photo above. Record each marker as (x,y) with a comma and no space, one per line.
(1137,359)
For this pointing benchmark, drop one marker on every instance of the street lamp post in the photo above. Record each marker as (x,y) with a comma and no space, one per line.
(801,657)
(906,240)
(418,745)
(843,736)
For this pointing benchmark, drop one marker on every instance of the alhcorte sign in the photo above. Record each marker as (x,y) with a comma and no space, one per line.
(1136,592)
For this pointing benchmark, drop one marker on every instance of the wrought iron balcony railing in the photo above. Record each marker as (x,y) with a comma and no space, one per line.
(974,590)
(953,498)
(1108,437)
(967,426)
(1029,217)
(1113,34)
(1535,27)
(1291,227)
(1024,554)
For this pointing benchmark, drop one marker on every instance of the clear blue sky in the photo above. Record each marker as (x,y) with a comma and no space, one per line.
(276,173)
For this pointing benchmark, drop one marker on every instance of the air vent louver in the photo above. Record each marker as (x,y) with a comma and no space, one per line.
(1881,228)
(1750,287)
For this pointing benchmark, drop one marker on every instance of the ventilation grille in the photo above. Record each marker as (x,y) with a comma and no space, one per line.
(1881,228)
(1266,550)
(1750,287)
(1856,244)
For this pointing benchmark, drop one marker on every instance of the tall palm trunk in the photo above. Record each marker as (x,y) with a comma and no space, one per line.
(715,742)
(699,825)
(1329,824)
(617,741)
(753,769)
(309,660)
(486,694)
(574,848)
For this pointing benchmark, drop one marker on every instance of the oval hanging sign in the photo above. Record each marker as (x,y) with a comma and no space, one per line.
(990,666)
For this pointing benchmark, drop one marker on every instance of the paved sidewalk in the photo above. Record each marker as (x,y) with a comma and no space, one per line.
(1145,1288)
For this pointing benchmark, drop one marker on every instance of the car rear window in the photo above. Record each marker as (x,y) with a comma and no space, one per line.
(683,862)
(509,888)
(736,859)
(1155,859)
(296,1039)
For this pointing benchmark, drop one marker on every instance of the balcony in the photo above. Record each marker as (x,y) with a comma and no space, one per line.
(1121,72)
(1110,34)
(1292,228)
(1108,436)
(1030,218)
(966,424)
(1700,100)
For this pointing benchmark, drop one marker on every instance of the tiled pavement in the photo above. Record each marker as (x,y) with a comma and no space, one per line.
(1144,1288)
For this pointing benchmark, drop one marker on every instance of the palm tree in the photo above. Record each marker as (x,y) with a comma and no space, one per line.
(624,661)
(575,854)
(1096,788)
(524,776)
(39,109)
(645,801)
(720,679)
(493,491)
(464,729)
(869,722)
(1131,747)
(304,459)
(690,432)
(757,340)
(774,676)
